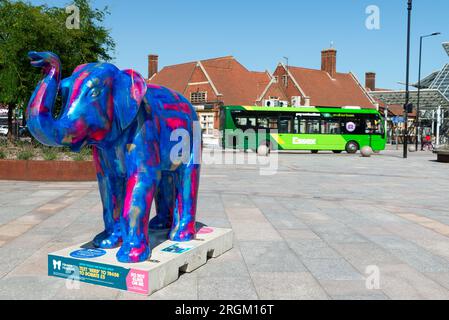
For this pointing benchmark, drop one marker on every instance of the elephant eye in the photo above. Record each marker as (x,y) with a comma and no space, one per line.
(95,92)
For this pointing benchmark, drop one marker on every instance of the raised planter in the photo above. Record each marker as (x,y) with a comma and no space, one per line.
(36,170)
(442,155)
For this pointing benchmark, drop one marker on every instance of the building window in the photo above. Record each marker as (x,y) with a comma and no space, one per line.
(198,97)
(285,80)
(207,123)
(276,79)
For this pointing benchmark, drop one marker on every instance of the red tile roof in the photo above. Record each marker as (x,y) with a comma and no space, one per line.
(237,84)
(175,77)
(398,110)
(343,90)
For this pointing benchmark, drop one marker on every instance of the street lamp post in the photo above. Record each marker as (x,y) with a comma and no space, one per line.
(417,120)
(405,135)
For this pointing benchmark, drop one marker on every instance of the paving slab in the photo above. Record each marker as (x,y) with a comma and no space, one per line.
(287,285)
(351,290)
(404,282)
(332,269)
(313,249)
(295,234)
(226,288)
(266,256)
(442,278)
(29,288)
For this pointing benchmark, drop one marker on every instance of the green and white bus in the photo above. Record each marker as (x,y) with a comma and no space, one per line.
(302,128)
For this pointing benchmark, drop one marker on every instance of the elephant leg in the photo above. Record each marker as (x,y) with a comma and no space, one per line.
(140,190)
(186,186)
(164,201)
(111,192)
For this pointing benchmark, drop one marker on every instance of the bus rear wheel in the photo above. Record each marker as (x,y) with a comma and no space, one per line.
(314,151)
(336,151)
(352,147)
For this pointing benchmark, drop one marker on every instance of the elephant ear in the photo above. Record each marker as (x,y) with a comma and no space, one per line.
(129,90)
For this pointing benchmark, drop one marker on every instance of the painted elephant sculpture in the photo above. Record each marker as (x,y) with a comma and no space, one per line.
(146,145)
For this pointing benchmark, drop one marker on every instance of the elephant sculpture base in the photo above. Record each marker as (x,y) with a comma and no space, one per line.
(97,266)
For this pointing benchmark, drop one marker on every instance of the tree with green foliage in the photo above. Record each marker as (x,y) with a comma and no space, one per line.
(24,27)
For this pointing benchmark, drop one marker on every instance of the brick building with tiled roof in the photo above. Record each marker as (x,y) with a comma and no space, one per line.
(209,84)
(325,87)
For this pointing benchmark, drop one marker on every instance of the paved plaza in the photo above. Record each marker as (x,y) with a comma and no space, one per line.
(325,226)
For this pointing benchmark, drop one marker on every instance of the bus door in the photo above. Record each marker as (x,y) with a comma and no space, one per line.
(375,129)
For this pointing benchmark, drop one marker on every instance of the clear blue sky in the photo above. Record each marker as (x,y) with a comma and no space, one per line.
(259,33)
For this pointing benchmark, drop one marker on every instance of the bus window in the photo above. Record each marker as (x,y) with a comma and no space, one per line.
(380,129)
(251,122)
(295,125)
(285,125)
(262,123)
(369,126)
(241,122)
(330,126)
(267,123)
(302,126)
(313,126)
(374,126)
(354,126)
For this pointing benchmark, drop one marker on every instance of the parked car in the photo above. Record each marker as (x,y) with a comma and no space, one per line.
(3,130)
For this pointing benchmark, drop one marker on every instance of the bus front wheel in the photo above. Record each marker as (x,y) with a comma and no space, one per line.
(352,147)
(314,151)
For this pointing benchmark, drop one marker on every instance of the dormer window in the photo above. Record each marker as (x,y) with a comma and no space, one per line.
(285,80)
(198,97)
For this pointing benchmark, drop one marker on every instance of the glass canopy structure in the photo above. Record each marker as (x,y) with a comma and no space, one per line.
(446,47)
(433,101)
(428,98)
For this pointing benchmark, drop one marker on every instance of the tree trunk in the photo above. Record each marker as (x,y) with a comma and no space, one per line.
(10,114)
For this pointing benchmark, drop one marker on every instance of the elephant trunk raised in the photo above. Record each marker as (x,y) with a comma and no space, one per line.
(39,115)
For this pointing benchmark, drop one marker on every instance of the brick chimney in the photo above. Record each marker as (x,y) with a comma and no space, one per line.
(329,61)
(152,64)
(370,81)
